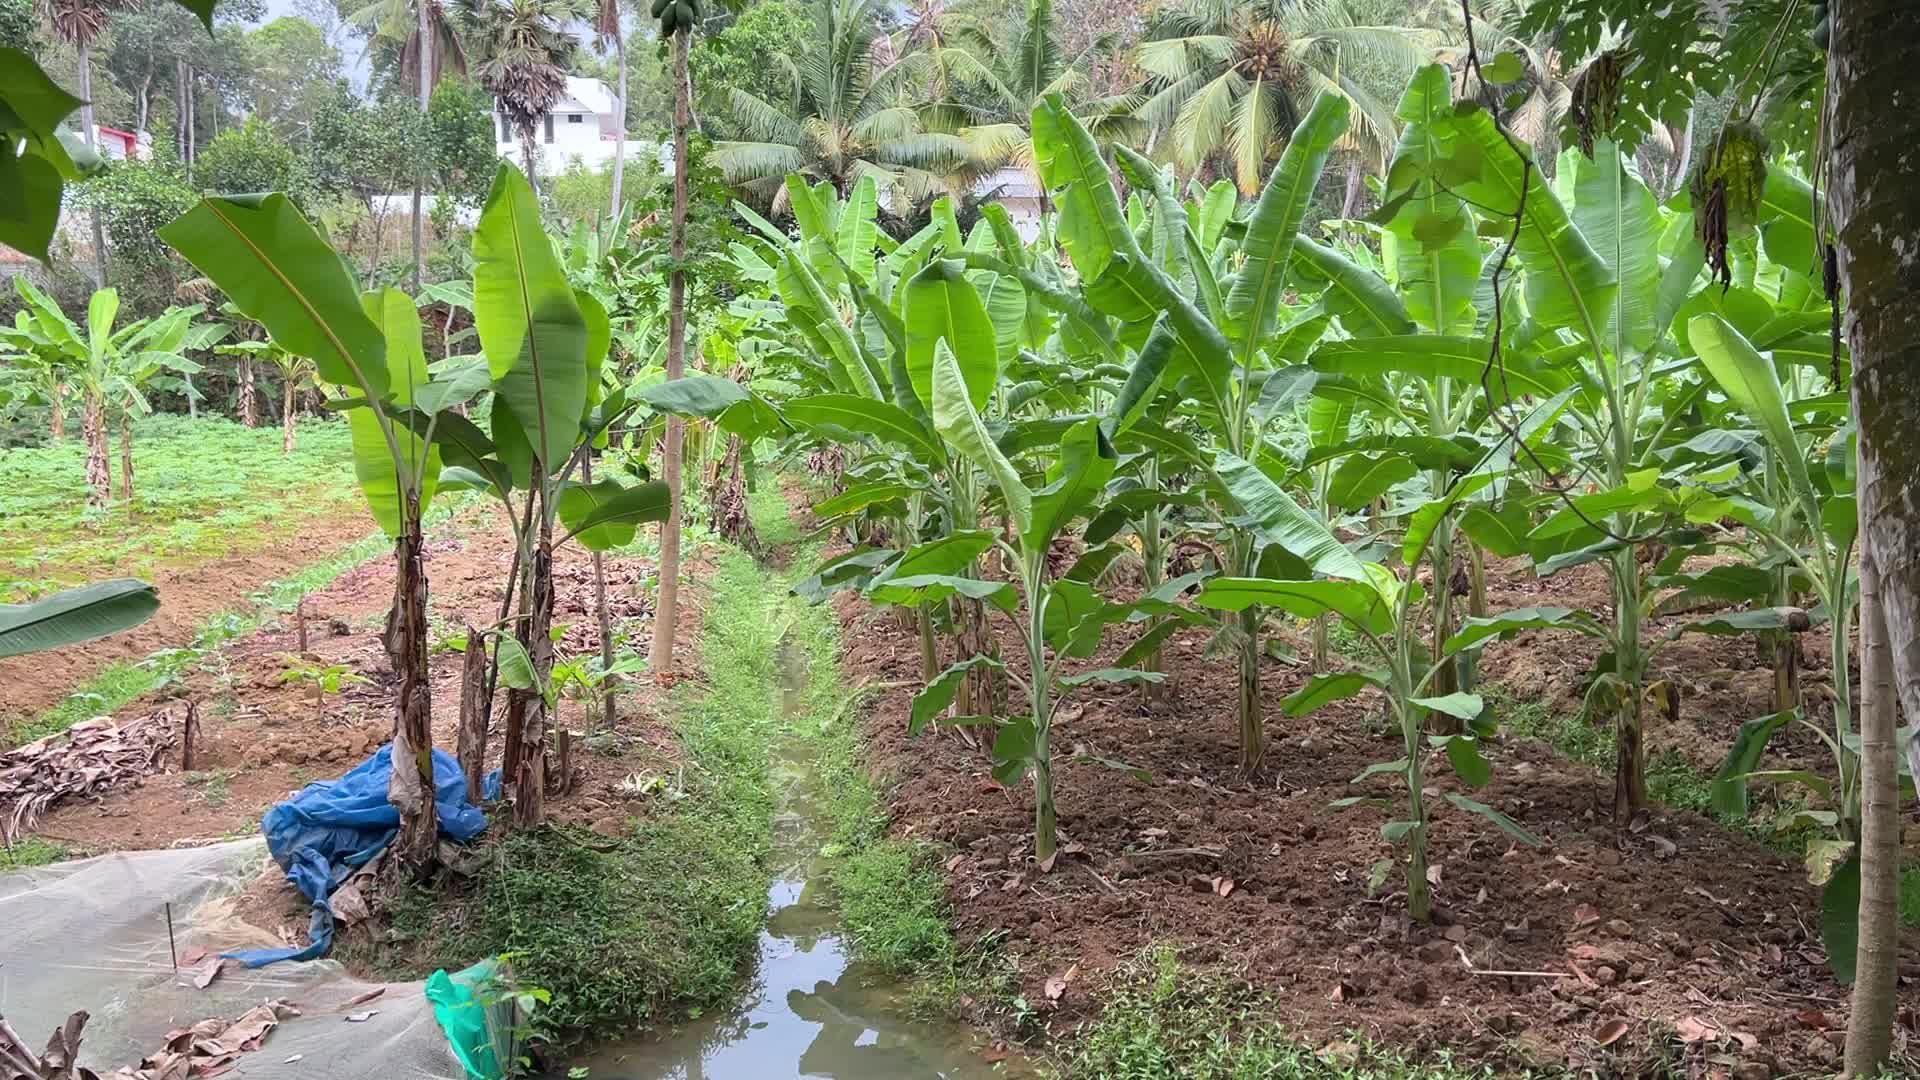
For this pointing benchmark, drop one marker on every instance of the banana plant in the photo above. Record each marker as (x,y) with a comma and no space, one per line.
(544,343)
(295,372)
(279,271)
(1213,351)
(1062,618)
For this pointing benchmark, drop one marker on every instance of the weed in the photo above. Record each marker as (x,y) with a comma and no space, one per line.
(205,486)
(1164,1021)
(212,784)
(1910,895)
(628,936)
(30,851)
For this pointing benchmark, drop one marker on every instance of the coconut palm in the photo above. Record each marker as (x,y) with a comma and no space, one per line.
(608,35)
(1013,77)
(429,46)
(1233,77)
(851,116)
(78,23)
(521,50)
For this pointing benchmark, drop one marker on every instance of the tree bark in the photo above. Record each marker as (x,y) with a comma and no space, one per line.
(410,786)
(57,421)
(93,428)
(83,59)
(667,605)
(126,458)
(1871,73)
(426,97)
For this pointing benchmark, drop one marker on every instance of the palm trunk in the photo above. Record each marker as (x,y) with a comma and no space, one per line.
(620,133)
(288,416)
(193,147)
(410,786)
(83,60)
(426,96)
(667,609)
(1356,186)
(126,458)
(1870,74)
(93,428)
(527,157)
(57,420)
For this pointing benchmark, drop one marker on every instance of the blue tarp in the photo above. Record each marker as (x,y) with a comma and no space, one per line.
(334,827)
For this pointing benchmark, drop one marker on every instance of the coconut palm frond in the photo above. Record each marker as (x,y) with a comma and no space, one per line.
(763,122)
(1252,130)
(1202,123)
(745,162)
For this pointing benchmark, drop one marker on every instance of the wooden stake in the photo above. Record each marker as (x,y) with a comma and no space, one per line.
(189,734)
(171,949)
(300,623)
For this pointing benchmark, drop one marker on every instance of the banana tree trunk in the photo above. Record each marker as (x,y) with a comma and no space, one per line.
(1446,676)
(57,414)
(126,458)
(1477,581)
(475,704)
(93,428)
(530,783)
(249,396)
(289,416)
(1252,720)
(1871,74)
(1630,748)
(410,785)
(667,607)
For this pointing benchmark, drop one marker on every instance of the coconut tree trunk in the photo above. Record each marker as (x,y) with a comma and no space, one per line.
(1871,74)
(126,458)
(289,417)
(83,60)
(667,608)
(93,428)
(249,396)
(620,133)
(426,97)
(410,785)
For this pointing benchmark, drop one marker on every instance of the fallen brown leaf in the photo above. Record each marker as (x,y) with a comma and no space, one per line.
(1693,1029)
(1611,1032)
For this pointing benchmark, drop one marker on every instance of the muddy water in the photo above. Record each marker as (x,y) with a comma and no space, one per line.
(810,1010)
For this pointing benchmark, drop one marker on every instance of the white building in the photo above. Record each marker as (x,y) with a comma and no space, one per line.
(584,125)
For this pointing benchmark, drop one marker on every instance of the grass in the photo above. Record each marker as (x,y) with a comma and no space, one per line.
(203,488)
(654,927)
(1163,1021)
(30,851)
(124,681)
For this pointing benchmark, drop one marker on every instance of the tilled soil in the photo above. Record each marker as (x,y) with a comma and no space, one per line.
(1676,940)
(189,595)
(262,736)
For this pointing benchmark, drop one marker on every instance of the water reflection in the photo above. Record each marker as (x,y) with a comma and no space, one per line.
(810,1011)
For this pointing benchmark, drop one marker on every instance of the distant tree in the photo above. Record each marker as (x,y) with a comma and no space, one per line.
(135,198)
(1232,79)
(460,142)
(250,158)
(521,52)
(748,55)
(294,68)
(18,28)
(77,23)
(850,115)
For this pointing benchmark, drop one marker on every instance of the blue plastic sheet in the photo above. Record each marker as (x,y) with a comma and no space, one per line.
(334,827)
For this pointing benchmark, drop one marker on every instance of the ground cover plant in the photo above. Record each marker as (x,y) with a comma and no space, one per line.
(1359,539)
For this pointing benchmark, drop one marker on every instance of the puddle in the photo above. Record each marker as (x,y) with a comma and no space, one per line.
(810,1011)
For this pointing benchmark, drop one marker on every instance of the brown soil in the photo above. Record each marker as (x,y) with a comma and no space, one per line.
(1704,944)
(189,595)
(262,738)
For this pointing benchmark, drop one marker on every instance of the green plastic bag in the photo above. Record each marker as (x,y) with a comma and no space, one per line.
(459,1004)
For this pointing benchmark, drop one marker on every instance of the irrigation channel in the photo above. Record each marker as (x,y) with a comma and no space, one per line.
(811,1010)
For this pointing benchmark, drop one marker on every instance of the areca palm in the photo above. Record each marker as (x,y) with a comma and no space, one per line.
(1233,77)
(851,116)
(521,52)
(1015,77)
